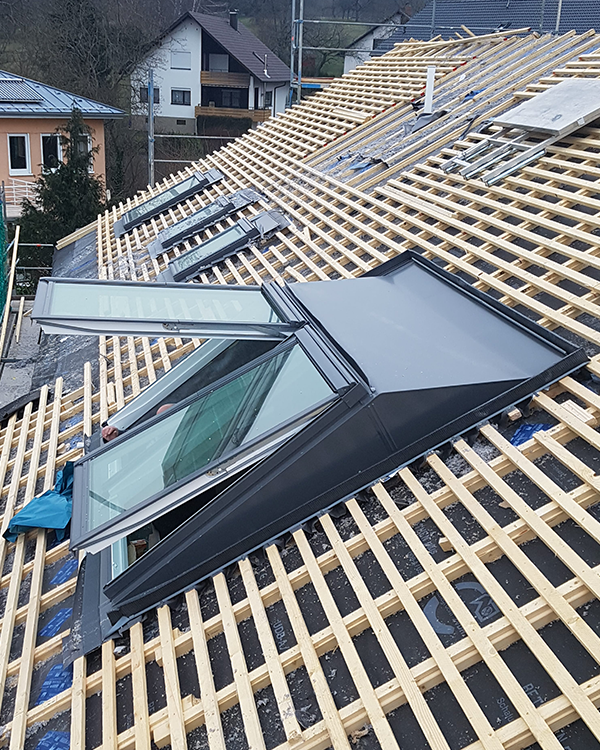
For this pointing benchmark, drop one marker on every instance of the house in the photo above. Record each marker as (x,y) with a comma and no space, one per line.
(205,67)
(446,18)
(451,602)
(361,49)
(30,115)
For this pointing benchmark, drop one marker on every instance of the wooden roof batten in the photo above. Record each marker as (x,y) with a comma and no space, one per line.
(531,240)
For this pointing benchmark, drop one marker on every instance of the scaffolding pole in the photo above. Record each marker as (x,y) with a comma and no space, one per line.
(297,47)
(151,127)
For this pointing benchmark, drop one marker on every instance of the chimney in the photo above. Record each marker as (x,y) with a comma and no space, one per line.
(233,19)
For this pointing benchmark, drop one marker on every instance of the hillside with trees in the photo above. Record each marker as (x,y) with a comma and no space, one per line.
(89,47)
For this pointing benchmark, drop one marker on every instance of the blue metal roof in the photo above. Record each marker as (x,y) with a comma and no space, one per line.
(486,16)
(22,97)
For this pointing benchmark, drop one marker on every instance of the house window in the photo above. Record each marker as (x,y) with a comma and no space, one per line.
(181,96)
(51,151)
(144,95)
(232,98)
(181,60)
(18,151)
(268,99)
(84,146)
(218,63)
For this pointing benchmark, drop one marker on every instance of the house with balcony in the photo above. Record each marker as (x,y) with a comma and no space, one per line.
(31,114)
(209,67)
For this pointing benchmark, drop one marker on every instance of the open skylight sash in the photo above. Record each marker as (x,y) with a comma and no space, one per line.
(204,435)
(119,308)
(170,197)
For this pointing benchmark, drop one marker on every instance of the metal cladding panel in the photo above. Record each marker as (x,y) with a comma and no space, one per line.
(558,110)
(411,330)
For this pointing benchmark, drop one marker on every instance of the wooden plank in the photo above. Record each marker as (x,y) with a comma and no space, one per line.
(138,683)
(561,676)
(335,728)
(78,704)
(285,705)
(19,722)
(238,665)
(440,655)
(172,689)
(19,322)
(420,708)
(109,697)
(359,674)
(208,694)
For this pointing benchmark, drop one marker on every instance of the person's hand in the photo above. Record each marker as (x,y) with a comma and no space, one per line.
(109,433)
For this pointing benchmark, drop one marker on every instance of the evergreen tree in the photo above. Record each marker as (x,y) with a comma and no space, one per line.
(68,195)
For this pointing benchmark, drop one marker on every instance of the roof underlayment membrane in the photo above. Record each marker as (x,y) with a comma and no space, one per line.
(453,604)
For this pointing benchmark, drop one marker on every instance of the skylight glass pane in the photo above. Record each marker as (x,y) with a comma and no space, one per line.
(154,205)
(188,261)
(155,302)
(190,224)
(219,424)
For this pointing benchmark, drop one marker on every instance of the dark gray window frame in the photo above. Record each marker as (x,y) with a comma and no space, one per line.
(81,539)
(154,327)
(197,182)
(252,230)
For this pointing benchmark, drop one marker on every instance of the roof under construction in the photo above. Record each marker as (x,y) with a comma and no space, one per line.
(453,603)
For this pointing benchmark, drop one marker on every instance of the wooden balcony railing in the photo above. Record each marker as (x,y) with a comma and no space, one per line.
(256,115)
(231,80)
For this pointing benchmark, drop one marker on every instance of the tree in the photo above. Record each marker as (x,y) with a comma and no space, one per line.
(67,196)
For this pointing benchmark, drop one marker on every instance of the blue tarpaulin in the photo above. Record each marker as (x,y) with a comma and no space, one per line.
(52,510)
(56,623)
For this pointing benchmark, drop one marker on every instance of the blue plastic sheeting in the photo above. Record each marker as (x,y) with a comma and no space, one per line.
(54,741)
(65,572)
(58,679)
(525,431)
(53,627)
(52,510)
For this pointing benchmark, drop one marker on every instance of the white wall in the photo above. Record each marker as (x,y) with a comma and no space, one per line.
(186,37)
(364,46)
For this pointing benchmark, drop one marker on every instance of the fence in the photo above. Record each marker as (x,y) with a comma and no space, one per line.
(16,191)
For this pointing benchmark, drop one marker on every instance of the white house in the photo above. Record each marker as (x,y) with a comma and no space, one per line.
(208,66)
(374,40)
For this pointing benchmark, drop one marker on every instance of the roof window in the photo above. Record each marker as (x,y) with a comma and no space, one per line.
(224,244)
(354,392)
(130,308)
(223,429)
(201,219)
(170,197)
